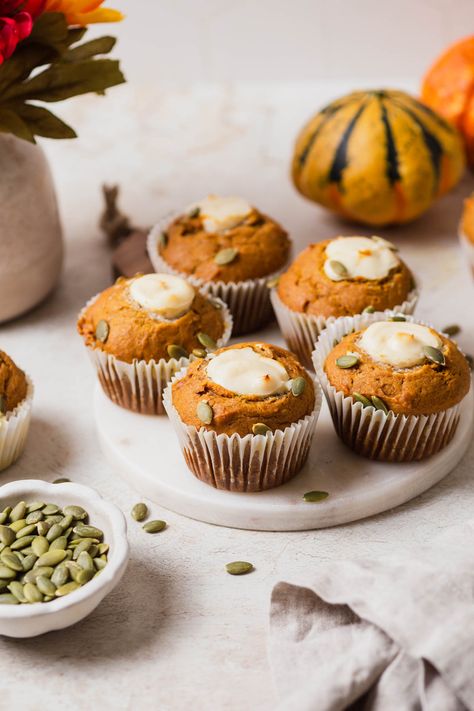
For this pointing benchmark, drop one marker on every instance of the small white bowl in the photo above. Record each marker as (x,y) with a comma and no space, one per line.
(30,620)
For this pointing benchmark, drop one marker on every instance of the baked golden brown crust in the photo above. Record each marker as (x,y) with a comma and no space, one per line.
(238,413)
(13,385)
(421,390)
(305,287)
(262,245)
(467,220)
(134,334)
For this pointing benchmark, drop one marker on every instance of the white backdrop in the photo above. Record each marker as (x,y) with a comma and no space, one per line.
(373,40)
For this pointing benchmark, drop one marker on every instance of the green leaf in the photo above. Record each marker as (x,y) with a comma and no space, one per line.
(101,45)
(42,122)
(20,66)
(61,81)
(50,29)
(10,122)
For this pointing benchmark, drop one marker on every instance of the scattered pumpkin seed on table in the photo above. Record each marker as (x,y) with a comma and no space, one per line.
(36,555)
(154,526)
(452,330)
(239,567)
(140,512)
(315,496)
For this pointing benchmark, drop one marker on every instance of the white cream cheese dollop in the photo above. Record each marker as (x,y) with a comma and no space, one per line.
(245,372)
(219,214)
(367,257)
(399,344)
(166,295)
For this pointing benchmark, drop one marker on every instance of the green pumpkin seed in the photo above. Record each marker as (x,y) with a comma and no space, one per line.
(204,412)
(35,506)
(199,352)
(32,593)
(206,341)
(18,525)
(85,561)
(3,518)
(11,561)
(18,512)
(26,531)
(103,548)
(176,352)
(379,404)
(21,543)
(337,267)
(60,575)
(45,586)
(434,355)
(28,562)
(54,518)
(154,526)
(298,385)
(259,428)
(77,512)
(86,531)
(225,256)
(85,575)
(347,361)
(195,212)
(67,588)
(16,589)
(54,532)
(43,528)
(61,480)
(8,599)
(34,517)
(102,331)
(99,564)
(83,545)
(162,240)
(397,318)
(51,510)
(361,398)
(140,512)
(59,544)
(7,573)
(452,330)
(272,283)
(66,522)
(51,558)
(7,536)
(315,496)
(239,567)
(368,310)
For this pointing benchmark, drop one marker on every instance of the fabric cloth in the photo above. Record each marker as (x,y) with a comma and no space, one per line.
(391,634)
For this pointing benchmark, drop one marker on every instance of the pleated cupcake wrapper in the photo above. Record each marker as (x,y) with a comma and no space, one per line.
(249,301)
(139,386)
(468,249)
(301,331)
(246,464)
(14,429)
(370,432)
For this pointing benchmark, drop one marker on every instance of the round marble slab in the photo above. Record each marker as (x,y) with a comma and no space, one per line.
(145,451)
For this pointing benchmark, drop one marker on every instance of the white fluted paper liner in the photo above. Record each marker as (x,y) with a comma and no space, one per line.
(251,463)
(249,300)
(139,386)
(370,432)
(468,250)
(301,331)
(14,427)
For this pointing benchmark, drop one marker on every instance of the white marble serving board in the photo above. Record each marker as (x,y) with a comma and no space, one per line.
(146,453)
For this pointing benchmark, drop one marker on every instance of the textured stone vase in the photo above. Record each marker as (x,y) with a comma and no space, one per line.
(31,246)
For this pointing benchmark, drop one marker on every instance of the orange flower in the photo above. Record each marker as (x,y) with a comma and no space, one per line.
(83,12)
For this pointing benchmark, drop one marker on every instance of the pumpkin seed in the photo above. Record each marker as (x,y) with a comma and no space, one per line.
(59,544)
(12,561)
(176,352)
(379,404)
(35,506)
(298,385)
(452,330)
(368,310)
(3,518)
(8,599)
(154,526)
(347,361)
(195,212)
(18,525)
(66,522)
(102,548)
(225,256)
(102,331)
(26,531)
(60,575)
(361,398)
(162,240)
(67,588)
(206,341)
(43,528)
(7,573)
(61,480)
(54,532)
(51,510)
(204,412)
(85,561)
(51,558)
(337,267)
(16,589)
(22,543)
(99,564)
(140,512)
(32,593)
(314,497)
(28,562)
(84,576)
(7,536)
(259,428)
(77,512)
(272,283)
(239,567)
(34,517)
(86,531)
(18,512)
(199,352)
(45,585)
(434,355)
(397,318)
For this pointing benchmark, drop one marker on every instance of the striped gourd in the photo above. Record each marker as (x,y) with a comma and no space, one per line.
(377,157)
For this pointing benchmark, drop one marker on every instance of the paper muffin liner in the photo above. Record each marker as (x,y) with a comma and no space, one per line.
(249,300)
(14,427)
(301,331)
(468,250)
(139,386)
(245,464)
(370,432)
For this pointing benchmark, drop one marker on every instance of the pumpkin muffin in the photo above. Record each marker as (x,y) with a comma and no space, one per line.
(140,331)
(394,386)
(16,394)
(339,277)
(230,249)
(466,231)
(245,416)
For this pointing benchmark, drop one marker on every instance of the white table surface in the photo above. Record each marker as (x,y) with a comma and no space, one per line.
(179,632)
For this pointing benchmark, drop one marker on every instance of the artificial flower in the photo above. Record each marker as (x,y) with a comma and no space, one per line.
(83,12)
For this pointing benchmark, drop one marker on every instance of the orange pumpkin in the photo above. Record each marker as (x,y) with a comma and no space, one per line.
(448,87)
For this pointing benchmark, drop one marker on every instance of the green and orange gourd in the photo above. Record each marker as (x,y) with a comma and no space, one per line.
(377,157)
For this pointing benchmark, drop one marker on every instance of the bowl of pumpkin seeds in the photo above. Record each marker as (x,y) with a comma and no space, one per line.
(63,548)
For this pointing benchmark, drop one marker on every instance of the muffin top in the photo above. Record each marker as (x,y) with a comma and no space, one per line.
(151,317)
(407,367)
(13,385)
(467,220)
(225,239)
(344,276)
(247,388)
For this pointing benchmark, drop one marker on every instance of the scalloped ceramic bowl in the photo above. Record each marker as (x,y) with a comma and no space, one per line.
(38,618)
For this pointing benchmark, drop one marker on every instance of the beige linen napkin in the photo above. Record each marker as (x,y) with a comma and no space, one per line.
(391,634)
